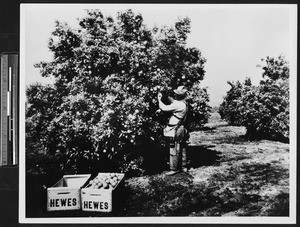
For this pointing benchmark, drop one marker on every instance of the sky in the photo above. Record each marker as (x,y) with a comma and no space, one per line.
(232,38)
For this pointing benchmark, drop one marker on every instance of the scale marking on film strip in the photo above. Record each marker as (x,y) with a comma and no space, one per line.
(9,109)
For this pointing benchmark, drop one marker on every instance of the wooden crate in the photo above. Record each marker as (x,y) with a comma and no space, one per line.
(65,194)
(101,200)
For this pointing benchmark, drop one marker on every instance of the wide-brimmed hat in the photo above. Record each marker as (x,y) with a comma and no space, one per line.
(180,91)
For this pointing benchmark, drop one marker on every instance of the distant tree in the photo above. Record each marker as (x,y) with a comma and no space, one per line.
(107,74)
(262,109)
(229,108)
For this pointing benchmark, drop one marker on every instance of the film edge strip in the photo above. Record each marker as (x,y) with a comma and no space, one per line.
(9,109)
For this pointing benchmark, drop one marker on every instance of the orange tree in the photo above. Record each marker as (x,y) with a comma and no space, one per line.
(262,109)
(102,104)
(228,109)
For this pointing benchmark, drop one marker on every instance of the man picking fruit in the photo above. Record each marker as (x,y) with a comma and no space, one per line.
(175,130)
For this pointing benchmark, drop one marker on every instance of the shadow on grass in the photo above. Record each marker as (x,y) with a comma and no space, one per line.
(36,196)
(203,156)
(157,162)
(265,171)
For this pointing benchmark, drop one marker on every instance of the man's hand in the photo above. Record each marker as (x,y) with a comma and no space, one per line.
(159,96)
(158,111)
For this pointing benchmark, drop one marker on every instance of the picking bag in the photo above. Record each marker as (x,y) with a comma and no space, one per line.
(169,131)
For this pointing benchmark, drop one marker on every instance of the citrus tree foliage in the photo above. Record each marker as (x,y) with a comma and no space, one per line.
(229,107)
(262,109)
(198,109)
(107,73)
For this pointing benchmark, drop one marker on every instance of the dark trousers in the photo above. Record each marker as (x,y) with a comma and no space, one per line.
(178,145)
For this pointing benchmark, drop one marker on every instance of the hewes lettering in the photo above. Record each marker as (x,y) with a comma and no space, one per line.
(63,202)
(95,205)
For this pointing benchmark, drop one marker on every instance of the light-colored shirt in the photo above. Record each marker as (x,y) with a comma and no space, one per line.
(178,108)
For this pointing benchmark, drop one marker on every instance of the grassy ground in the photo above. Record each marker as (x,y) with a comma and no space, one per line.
(228,176)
